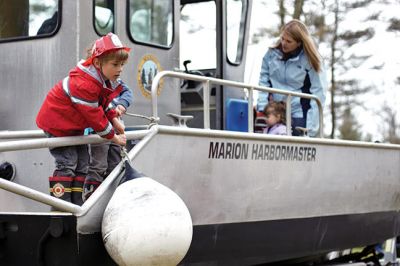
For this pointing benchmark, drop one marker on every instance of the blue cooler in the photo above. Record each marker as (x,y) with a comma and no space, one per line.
(237,115)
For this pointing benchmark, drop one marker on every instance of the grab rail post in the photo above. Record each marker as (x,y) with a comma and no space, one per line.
(206,104)
(250,121)
(288,114)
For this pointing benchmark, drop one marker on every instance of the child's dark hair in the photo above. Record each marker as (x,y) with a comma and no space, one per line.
(119,55)
(276,108)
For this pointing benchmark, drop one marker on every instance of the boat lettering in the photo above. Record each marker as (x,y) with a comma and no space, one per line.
(244,151)
(228,150)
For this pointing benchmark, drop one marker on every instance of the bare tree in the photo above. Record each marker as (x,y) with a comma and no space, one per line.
(298,8)
(332,66)
(349,129)
(345,92)
(391,124)
(282,12)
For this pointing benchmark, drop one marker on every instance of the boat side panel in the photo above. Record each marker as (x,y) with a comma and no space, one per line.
(229,180)
(33,168)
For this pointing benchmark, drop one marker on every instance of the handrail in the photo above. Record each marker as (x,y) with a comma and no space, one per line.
(207,81)
(39,196)
(27,144)
(58,142)
(19,134)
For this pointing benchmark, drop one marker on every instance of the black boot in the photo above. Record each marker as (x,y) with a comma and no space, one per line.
(77,189)
(89,187)
(60,187)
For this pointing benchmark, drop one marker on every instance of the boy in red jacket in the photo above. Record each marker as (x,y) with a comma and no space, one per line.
(77,102)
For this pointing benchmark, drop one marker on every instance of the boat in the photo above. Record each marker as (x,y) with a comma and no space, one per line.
(227,195)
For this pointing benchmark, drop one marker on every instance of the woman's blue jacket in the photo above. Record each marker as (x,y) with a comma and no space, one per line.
(295,74)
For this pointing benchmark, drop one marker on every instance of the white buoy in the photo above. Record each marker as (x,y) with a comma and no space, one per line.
(146,223)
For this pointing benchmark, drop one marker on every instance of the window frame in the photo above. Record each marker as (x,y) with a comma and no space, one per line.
(129,33)
(94,19)
(215,34)
(244,37)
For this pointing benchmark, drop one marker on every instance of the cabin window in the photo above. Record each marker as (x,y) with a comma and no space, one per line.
(198,35)
(151,22)
(235,29)
(104,16)
(22,19)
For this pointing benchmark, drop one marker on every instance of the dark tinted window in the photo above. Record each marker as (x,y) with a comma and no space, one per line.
(24,19)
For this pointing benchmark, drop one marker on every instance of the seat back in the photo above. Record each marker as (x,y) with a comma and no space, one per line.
(260,123)
(237,115)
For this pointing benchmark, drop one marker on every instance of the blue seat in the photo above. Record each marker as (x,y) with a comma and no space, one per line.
(237,115)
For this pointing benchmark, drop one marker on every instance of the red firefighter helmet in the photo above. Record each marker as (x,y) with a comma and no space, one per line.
(106,43)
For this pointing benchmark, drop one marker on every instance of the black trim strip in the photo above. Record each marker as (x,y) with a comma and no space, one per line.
(268,241)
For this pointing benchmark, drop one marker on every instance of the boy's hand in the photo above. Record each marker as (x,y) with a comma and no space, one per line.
(119,139)
(118,125)
(120,109)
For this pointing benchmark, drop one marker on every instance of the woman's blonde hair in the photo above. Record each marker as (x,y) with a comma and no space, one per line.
(299,32)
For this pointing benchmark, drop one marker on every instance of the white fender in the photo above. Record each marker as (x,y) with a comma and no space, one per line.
(146,223)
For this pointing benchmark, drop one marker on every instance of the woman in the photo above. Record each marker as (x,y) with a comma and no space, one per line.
(294,64)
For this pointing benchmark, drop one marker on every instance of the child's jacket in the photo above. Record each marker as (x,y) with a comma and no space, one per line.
(77,102)
(277,129)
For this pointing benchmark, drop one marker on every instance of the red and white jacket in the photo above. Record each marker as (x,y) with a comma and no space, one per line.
(77,102)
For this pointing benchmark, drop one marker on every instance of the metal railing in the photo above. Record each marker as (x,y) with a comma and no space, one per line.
(21,134)
(44,142)
(40,143)
(207,81)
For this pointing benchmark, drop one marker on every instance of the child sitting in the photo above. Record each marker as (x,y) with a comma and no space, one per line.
(77,102)
(276,118)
